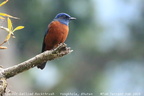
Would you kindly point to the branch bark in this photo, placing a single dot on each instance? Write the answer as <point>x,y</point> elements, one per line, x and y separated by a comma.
<point>6,73</point>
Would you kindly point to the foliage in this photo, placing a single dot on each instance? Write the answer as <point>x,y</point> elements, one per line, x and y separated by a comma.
<point>9,28</point>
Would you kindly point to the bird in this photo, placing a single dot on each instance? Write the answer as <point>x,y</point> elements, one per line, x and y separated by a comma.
<point>56,33</point>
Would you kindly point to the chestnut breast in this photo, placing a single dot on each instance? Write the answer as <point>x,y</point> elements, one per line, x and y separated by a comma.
<point>57,33</point>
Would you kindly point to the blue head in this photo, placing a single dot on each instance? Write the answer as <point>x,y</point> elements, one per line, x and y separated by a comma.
<point>64,18</point>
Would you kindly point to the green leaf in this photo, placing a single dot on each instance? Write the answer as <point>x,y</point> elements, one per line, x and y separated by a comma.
<point>18,28</point>
<point>2,17</point>
<point>7,15</point>
<point>4,2</point>
<point>10,27</point>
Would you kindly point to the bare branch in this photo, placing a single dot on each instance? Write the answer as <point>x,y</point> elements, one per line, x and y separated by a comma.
<point>60,51</point>
<point>6,73</point>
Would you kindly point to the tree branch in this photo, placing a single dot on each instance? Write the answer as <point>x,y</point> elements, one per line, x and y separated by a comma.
<point>6,73</point>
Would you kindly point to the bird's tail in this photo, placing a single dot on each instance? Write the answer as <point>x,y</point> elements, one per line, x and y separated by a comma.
<point>42,66</point>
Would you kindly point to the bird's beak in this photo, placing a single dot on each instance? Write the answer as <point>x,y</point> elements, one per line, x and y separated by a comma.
<point>72,18</point>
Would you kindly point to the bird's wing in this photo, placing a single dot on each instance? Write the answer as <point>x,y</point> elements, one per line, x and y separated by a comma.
<point>44,45</point>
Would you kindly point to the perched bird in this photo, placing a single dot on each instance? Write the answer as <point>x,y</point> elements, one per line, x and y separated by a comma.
<point>57,33</point>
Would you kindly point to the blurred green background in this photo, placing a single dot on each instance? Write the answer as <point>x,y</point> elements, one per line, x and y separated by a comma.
<point>107,39</point>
